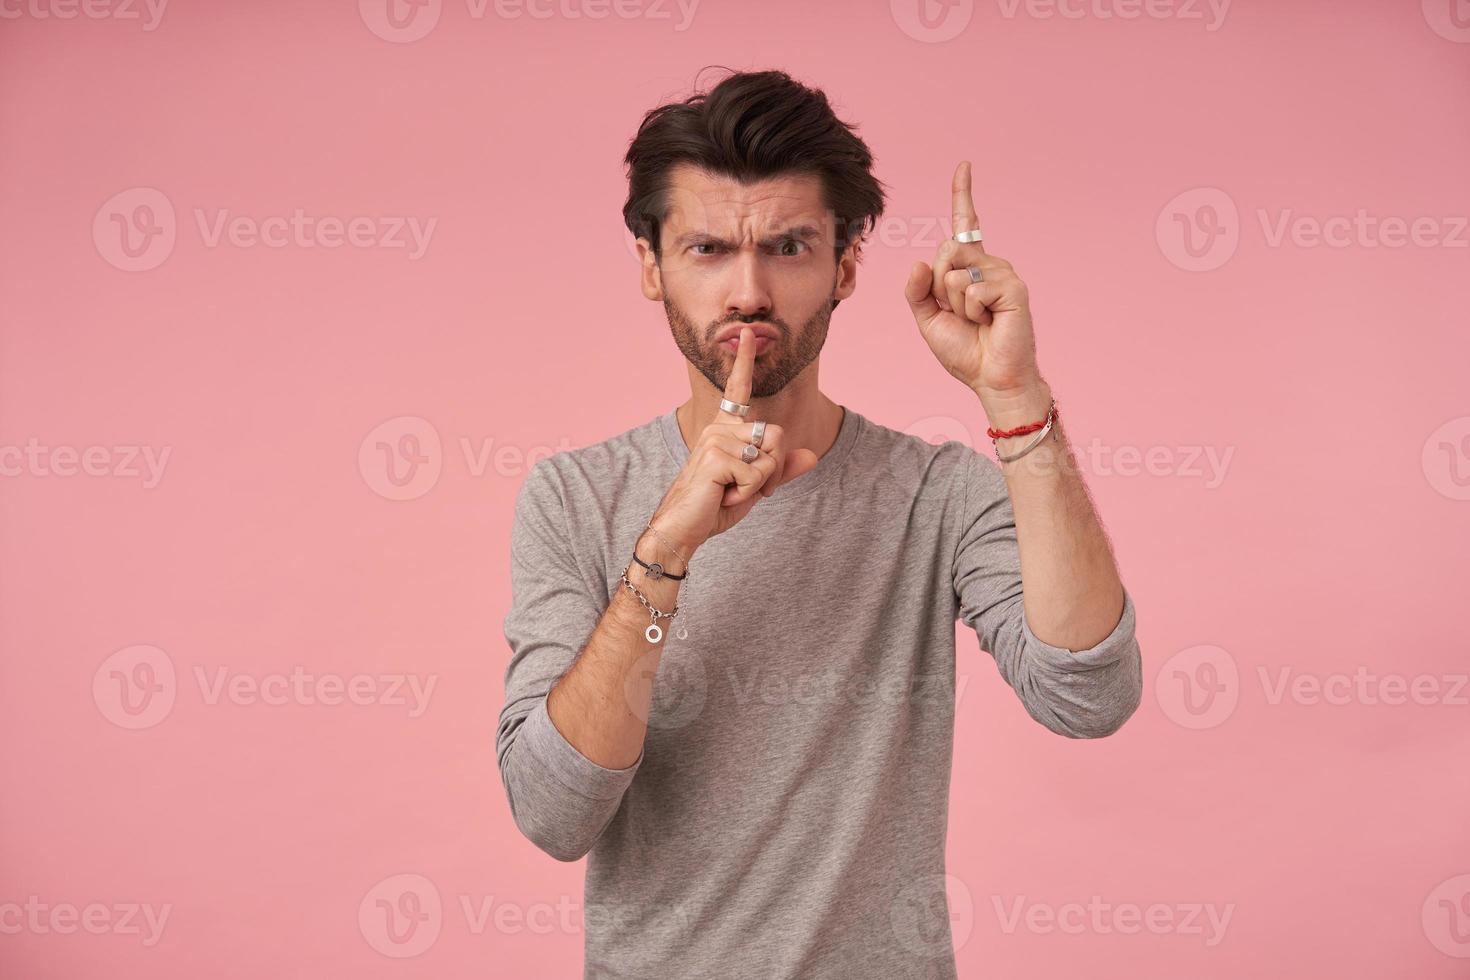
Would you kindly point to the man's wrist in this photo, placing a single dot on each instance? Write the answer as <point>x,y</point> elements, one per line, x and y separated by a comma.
<point>1016,407</point>
<point>673,555</point>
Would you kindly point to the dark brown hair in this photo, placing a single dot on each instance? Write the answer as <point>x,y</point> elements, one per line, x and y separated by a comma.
<point>753,126</point>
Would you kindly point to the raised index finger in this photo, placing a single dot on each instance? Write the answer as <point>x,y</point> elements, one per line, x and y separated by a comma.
<point>737,387</point>
<point>964,204</point>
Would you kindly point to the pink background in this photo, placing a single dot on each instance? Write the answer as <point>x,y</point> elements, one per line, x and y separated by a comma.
<point>1332,545</point>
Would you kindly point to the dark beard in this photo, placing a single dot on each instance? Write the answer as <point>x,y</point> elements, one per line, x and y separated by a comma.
<point>774,370</point>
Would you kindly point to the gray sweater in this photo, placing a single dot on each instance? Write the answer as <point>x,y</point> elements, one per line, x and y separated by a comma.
<point>787,817</point>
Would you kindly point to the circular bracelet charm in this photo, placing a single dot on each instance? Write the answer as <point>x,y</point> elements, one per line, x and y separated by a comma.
<point>653,634</point>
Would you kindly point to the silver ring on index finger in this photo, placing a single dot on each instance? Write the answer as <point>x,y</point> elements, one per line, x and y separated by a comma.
<point>734,408</point>
<point>966,237</point>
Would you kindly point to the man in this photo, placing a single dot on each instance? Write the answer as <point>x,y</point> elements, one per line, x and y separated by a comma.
<point>732,629</point>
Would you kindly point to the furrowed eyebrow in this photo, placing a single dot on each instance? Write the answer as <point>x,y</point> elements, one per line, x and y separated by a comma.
<point>805,233</point>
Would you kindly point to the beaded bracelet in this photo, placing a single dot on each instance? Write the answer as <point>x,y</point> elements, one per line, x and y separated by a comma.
<point>1045,427</point>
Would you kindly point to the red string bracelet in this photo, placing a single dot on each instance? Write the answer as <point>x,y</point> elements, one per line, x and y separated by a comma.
<point>1021,430</point>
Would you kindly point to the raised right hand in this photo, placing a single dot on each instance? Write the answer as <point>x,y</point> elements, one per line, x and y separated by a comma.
<point>715,490</point>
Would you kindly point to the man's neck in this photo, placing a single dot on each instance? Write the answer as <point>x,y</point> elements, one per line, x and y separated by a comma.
<point>809,420</point>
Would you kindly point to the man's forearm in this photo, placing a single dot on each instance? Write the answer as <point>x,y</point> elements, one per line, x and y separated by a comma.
<point>1073,594</point>
<point>600,705</point>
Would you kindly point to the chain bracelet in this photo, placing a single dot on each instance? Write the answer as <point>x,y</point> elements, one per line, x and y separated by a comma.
<point>653,634</point>
<point>1051,421</point>
<point>667,542</point>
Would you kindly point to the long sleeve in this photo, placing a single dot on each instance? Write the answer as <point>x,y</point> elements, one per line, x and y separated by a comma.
<point>560,799</point>
<point>1080,694</point>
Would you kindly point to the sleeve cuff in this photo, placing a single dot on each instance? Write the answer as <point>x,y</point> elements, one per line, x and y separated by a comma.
<point>1111,648</point>
<point>568,766</point>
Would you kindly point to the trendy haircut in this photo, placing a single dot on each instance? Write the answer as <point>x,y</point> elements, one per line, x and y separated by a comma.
<point>754,126</point>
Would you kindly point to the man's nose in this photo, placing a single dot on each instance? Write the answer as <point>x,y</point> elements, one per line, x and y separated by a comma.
<point>749,293</point>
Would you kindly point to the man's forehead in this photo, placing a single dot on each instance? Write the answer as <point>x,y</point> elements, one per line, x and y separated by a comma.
<point>700,200</point>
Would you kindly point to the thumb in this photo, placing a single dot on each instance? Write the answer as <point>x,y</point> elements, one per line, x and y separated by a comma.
<point>919,292</point>
<point>798,461</point>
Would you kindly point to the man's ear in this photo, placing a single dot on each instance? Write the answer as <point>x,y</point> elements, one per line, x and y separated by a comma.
<point>846,276</point>
<point>651,282</point>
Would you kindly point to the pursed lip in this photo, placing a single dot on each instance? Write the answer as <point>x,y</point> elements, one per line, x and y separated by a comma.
<point>732,332</point>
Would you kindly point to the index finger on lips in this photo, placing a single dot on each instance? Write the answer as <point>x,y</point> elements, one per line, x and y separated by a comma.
<point>737,387</point>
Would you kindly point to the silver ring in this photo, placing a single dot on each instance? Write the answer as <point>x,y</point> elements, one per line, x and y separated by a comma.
<point>974,272</point>
<point>749,453</point>
<point>968,236</point>
<point>757,433</point>
<point>734,408</point>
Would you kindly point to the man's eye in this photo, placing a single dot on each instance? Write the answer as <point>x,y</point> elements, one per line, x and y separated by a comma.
<point>709,245</point>
<point>793,246</point>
